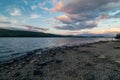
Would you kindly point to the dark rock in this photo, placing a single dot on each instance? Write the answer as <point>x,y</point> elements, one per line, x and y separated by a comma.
<point>24,78</point>
<point>54,54</point>
<point>117,63</point>
<point>90,64</point>
<point>30,53</point>
<point>89,76</point>
<point>85,51</point>
<point>38,72</point>
<point>44,63</point>
<point>102,57</point>
<point>116,47</point>
<point>87,45</point>
<point>58,61</point>
<point>33,60</point>
<point>9,62</point>
<point>15,74</point>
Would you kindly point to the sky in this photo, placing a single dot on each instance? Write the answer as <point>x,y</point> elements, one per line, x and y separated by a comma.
<point>66,17</point>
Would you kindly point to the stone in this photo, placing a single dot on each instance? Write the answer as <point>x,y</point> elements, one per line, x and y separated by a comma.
<point>58,61</point>
<point>30,53</point>
<point>116,47</point>
<point>44,63</point>
<point>117,63</point>
<point>89,64</point>
<point>32,61</point>
<point>102,57</point>
<point>15,74</point>
<point>38,72</point>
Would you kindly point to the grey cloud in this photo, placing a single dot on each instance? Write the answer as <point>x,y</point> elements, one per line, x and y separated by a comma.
<point>5,22</point>
<point>75,6</point>
<point>35,28</point>
<point>78,26</point>
<point>81,11</point>
<point>111,5</point>
<point>73,18</point>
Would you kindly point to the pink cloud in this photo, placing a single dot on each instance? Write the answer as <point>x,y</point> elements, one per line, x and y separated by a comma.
<point>64,19</point>
<point>78,12</point>
<point>59,6</point>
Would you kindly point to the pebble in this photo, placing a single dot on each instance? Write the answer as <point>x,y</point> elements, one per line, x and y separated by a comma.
<point>38,72</point>
<point>117,62</point>
<point>15,74</point>
<point>116,47</point>
<point>102,57</point>
<point>90,64</point>
<point>58,61</point>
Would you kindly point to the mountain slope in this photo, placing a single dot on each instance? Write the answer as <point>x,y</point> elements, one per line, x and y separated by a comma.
<point>20,33</point>
<point>23,33</point>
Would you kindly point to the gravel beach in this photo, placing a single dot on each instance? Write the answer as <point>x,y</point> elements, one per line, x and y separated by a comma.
<point>92,61</point>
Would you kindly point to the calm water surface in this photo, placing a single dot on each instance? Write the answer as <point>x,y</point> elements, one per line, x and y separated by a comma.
<point>11,46</point>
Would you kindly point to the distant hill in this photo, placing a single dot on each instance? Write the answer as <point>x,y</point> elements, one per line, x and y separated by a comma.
<point>23,33</point>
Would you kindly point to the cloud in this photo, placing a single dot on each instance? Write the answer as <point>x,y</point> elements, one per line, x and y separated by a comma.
<point>33,7</point>
<point>12,21</point>
<point>64,19</point>
<point>78,12</point>
<point>59,6</point>
<point>45,8</point>
<point>75,6</point>
<point>3,18</point>
<point>112,5</point>
<point>110,32</point>
<point>42,5</point>
<point>32,28</point>
<point>35,16</point>
<point>25,1</point>
<point>15,12</point>
<point>6,22</point>
<point>54,2</point>
<point>78,26</point>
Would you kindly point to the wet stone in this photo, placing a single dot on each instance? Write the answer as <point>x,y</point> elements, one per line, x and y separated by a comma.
<point>15,74</point>
<point>90,64</point>
<point>102,57</point>
<point>116,47</point>
<point>38,72</point>
<point>117,63</point>
<point>58,61</point>
<point>44,63</point>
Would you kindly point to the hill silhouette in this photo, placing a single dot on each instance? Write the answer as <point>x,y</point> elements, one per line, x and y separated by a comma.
<point>21,33</point>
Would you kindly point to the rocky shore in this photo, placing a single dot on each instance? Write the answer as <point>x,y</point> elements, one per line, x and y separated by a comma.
<point>92,61</point>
